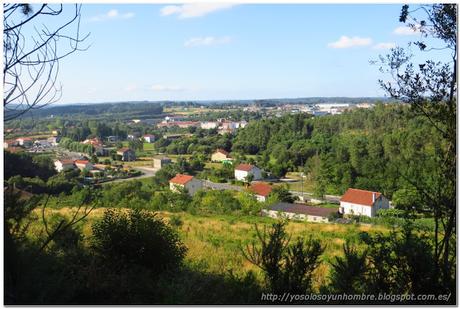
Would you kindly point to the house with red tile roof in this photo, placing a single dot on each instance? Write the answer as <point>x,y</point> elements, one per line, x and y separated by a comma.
<point>149,138</point>
<point>83,164</point>
<point>362,202</point>
<point>185,182</point>
<point>243,171</point>
<point>64,165</point>
<point>261,191</point>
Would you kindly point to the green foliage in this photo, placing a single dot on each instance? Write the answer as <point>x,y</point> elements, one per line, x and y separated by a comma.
<point>26,165</point>
<point>137,238</point>
<point>217,202</point>
<point>287,267</point>
<point>282,194</point>
<point>348,271</point>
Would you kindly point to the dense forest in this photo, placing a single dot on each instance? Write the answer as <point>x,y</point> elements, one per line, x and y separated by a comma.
<point>363,148</point>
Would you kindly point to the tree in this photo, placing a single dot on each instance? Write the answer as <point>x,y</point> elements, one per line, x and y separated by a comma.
<point>430,88</point>
<point>137,237</point>
<point>282,194</point>
<point>32,52</point>
<point>287,267</point>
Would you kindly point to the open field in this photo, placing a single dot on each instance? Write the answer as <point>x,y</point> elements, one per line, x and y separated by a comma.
<point>214,242</point>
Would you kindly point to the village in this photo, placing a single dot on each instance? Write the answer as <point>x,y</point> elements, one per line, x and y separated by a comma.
<point>100,168</point>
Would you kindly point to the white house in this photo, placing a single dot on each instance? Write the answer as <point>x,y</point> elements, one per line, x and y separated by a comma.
<point>362,202</point>
<point>242,172</point>
<point>187,182</point>
<point>261,191</point>
<point>64,165</point>
<point>149,138</point>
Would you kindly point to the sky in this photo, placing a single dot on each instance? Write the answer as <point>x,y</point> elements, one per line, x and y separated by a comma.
<point>220,51</point>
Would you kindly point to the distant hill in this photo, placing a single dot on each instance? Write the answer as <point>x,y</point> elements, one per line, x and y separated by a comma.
<point>150,109</point>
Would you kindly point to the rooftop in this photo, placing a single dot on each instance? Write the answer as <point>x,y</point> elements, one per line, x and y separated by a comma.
<point>361,197</point>
<point>244,167</point>
<point>261,188</point>
<point>181,179</point>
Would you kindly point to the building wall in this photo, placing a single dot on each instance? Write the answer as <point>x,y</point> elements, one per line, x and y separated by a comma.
<point>260,198</point>
<point>127,156</point>
<point>193,185</point>
<point>218,157</point>
<point>355,209</point>
<point>62,167</point>
<point>174,187</point>
<point>241,175</point>
<point>293,216</point>
<point>158,163</point>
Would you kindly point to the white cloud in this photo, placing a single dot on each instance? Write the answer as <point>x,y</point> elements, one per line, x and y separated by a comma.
<point>384,45</point>
<point>112,15</point>
<point>207,41</point>
<point>347,42</point>
<point>192,10</point>
<point>159,87</point>
<point>403,30</point>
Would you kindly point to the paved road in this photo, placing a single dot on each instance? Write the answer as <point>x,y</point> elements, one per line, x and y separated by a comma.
<point>148,172</point>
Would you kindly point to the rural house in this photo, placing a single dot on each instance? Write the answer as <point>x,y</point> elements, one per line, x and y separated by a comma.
<point>261,191</point>
<point>243,171</point>
<point>25,141</point>
<point>126,154</point>
<point>220,156</point>
<point>64,165</point>
<point>149,138</point>
<point>187,182</point>
<point>83,164</point>
<point>159,163</point>
<point>362,202</point>
<point>299,212</point>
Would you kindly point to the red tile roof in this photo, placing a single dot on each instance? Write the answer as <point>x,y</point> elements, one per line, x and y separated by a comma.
<point>81,161</point>
<point>361,197</point>
<point>261,188</point>
<point>181,179</point>
<point>244,167</point>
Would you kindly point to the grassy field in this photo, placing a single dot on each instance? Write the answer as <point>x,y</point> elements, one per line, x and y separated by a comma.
<point>214,242</point>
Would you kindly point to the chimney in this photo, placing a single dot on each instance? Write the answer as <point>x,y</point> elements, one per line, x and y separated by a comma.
<point>373,197</point>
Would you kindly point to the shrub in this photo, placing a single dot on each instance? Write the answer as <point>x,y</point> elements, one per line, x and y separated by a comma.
<point>137,237</point>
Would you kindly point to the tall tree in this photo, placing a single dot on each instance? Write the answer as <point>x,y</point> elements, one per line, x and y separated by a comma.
<point>430,87</point>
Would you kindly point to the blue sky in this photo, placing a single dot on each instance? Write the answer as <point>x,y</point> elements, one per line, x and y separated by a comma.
<point>250,51</point>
